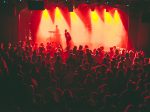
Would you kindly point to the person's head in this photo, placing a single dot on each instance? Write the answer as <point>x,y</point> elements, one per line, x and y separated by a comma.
<point>146,60</point>
<point>127,55</point>
<point>131,85</point>
<point>86,46</point>
<point>41,45</point>
<point>97,52</point>
<point>117,52</point>
<point>65,30</point>
<point>74,49</point>
<point>111,49</point>
<point>102,48</point>
<point>103,68</point>
<point>80,47</point>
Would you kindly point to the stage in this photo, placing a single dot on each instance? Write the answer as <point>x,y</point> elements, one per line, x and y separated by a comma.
<point>103,26</point>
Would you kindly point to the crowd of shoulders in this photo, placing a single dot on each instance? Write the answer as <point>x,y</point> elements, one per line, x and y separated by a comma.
<point>48,78</point>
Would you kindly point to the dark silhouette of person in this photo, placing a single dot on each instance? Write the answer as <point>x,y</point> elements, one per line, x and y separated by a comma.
<point>68,39</point>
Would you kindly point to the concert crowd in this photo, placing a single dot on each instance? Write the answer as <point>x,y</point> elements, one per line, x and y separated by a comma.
<point>45,78</point>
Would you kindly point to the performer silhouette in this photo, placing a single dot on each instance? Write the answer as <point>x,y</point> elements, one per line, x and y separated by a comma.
<point>68,39</point>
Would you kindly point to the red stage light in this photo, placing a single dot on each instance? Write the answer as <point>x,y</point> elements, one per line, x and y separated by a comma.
<point>107,33</point>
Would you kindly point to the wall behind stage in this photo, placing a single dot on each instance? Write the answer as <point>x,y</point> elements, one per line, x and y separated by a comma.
<point>143,33</point>
<point>8,24</point>
<point>96,28</point>
<point>139,31</point>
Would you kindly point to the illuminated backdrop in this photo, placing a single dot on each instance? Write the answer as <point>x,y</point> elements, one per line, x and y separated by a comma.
<point>101,27</point>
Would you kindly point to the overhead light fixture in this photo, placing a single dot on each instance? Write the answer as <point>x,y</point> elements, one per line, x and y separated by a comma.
<point>69,5</point>
<point>36,5</point>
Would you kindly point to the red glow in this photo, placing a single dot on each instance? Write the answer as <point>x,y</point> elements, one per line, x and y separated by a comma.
<point>117,17</point>
<point>78,30</point>
<point>107,17</point>
<point>94,33</point>
<point>44,27</point>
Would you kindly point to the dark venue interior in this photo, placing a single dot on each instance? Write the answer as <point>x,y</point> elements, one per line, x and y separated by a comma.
<point>74,56</point>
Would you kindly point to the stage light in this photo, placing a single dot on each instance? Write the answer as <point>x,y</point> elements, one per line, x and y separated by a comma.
<point>92,7</point>
<point>70,6</point>
<point>44,27</point>
<point>107,7</point>
<point>57,13</point>
<point>107,2</point>
<point>93,28</point>
<point>94,17</point>
<point>107,10</point>
<point>88,1</point>
<point>116,17</point>
<point>107,17</point>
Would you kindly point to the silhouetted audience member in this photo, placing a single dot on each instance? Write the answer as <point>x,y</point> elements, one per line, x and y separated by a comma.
<point>50,79</point>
